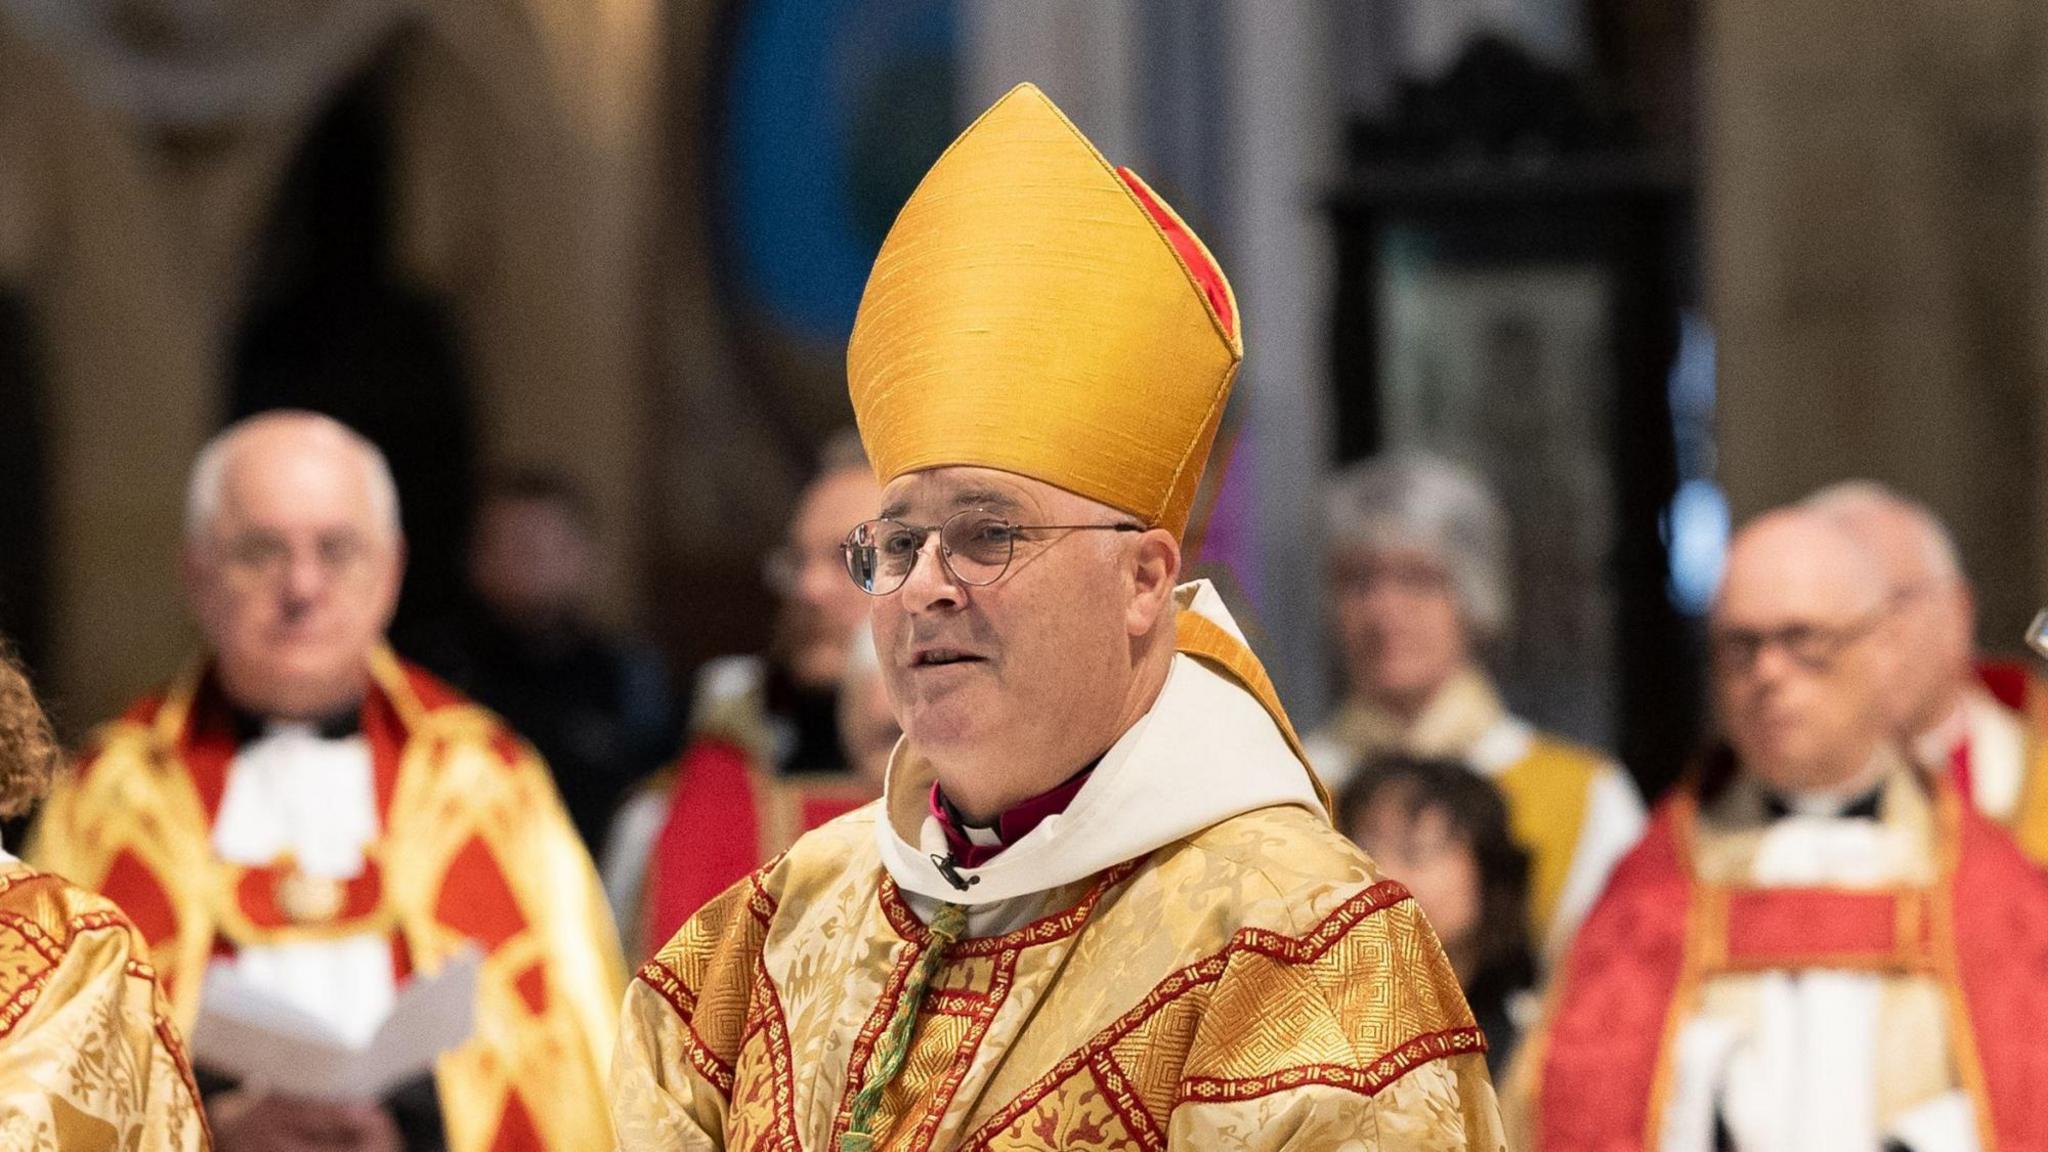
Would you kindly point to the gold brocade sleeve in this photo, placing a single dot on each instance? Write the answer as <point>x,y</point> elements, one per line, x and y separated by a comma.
<point>1435,1108</point>
<point>88,1057</point>
<point>658,1100</point>
<point>1354,1034</point>
<point>685,1016</point>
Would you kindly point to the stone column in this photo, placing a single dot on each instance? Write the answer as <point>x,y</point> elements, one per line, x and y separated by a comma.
<point>1873,214</point>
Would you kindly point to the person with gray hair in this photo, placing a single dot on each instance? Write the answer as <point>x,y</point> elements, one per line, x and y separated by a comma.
<point>1948,721</point>
<point>1417,562</point>
<point>302,812</point>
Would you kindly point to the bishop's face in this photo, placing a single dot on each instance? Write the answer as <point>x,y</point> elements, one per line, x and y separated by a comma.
<point>296,574</point>
<point>1008,687</point>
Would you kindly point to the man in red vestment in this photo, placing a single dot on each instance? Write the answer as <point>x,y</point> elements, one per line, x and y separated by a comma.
<point>305,810</point>
<point>765,762</point>
<point>1815,947</point>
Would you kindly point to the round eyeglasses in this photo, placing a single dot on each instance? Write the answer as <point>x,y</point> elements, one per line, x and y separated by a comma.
<point>975,547</point>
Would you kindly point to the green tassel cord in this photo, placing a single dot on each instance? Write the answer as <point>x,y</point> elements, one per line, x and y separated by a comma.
<point>947,926</point>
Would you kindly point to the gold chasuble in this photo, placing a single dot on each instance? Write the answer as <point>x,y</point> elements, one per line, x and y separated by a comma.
<point>1187,957</point>
<point>475,849</point>
<point>88,1056</point>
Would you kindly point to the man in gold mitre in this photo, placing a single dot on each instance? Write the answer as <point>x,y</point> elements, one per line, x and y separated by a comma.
<point>1101,904</point>
<point>88,1056</point>
<point>329,822</point>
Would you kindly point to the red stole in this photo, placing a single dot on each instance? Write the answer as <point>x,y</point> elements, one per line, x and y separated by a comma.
<point>1634,972</point>
<point>726,818</point>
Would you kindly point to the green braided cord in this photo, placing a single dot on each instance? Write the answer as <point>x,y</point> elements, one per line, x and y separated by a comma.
<point>948,923</point>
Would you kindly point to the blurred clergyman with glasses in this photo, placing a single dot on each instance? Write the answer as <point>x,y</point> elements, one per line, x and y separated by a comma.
<point>326,823</point>
<point>764,763</point>
<point>1101,904</point>
<point>1815,946</point>
<point>1957,716</point>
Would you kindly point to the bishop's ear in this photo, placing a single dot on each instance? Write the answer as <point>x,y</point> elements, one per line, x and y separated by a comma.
<point>1153,572</point>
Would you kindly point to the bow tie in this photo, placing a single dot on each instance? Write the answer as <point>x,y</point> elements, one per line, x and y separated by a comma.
<point>1864,807</point>
<point>249,727</point>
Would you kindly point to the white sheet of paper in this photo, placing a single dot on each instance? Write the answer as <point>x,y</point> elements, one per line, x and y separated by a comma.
<point>271,1046</point>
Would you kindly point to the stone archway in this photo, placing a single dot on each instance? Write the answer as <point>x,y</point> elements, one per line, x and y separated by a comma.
<point>521,157</point>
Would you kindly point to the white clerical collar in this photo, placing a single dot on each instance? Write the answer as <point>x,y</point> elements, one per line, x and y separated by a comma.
<point>300,729</point>
<point>984,837</point>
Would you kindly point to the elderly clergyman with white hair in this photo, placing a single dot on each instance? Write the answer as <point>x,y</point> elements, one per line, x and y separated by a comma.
<point>1417,570</point>
<point>328,822</point>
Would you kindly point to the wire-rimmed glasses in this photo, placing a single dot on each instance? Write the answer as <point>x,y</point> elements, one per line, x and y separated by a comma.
<point>975,546</point>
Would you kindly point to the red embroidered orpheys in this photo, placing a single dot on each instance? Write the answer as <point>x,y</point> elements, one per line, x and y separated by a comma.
<point>1197,978</point>
<point>1044,930</point>
<point>871,1029</point>
<point>768,1028</point>
<point>1334,927</point>
<point>1368,1081</point>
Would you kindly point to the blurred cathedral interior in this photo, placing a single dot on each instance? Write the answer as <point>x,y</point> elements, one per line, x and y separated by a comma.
<point>1648,265</point>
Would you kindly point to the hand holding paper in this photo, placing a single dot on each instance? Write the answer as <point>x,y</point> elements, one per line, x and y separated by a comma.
<point>271,1046</point>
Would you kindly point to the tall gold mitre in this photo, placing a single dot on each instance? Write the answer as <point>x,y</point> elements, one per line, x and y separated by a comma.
<point>1036,310</point>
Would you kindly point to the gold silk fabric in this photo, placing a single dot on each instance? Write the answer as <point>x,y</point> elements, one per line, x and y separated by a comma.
<point>88,1056</point>
<point>1256,986</point>
<point>476,851</point>
<point>1036,311</point>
